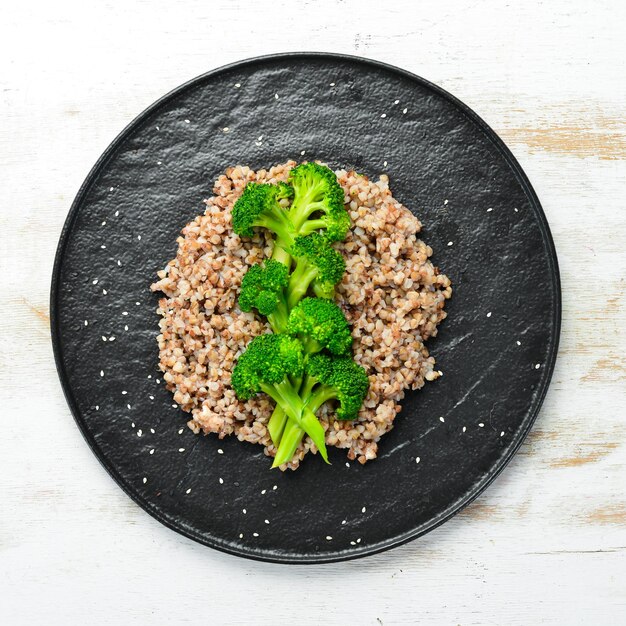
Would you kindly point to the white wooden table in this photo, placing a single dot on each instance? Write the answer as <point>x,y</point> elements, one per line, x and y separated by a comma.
<point>546,543</point>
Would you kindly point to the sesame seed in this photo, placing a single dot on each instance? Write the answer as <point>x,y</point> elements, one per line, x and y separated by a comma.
<point>181,449</point>
<point>139,432</point>
<point>157,128</point>
<point>244,511</point>
<point>101,372</point>
<point>363,510</point>
<point>384,115</point>
<point>104,291</point>
<point>149,375</point>
<point>260,137</point>
<point>119,263</point>
<point>237,85</point>
<point>489,210</point>
<point>97,407</point>
<point>152,430</point>
<point>481,425</point>
<point>445,202</point>
<point>275,487</point>
<point>103,223</point>
<point>515,210</point>
<point>441,419</point>
<point>258,143</point>
<point>384,163</point>
<point>344,521</point>
<point>332,84</point>
<point>519,343</point>
<point>240,535</point>
<point>502,433</point>
<point>275,96</point>
<point>489,314</point>
<point>358,540</point>
<point>86,323</point>
<point>111,188</point>
<point>117,213</point>
<point>225,129</point>
<point>396,101</point>
<point>267,521</point>
<point>104,338</point>
<point>145,480</point>
<point>417,459</point>
<point>137,303</point>
<point>303,152</point>
<point>132,424</point>
<point>186,121</point>
<point>138,237</point>
<point>255,534</point>
<point>220,451</point>
<point>158,162</point>
<point>174,406</point>
<point>329,538</point>
<point>263,492</point>
<point>464,428</point>
<point>221,481</point>
<point>124,393</point>
<point>152,451</point>
<point>188,490</point>
<point>125,327</point>
<point>158,381</point>
<point>94,281</point>
<point>347,464</point>
<point>404,111</point>
<point>352,543</point>
<point>537,366</point>
<point>450,243</point>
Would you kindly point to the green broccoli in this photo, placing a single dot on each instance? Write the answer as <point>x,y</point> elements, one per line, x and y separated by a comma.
<point>327,378</point>
<point>318,202</point>
<point>259,206</point>
<point>267,365</point>
<point>262,288</point>
<point>318,265</point>
<point>320,324</point>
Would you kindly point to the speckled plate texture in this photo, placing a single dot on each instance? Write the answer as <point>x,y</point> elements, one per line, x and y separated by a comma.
<point>497,348</point>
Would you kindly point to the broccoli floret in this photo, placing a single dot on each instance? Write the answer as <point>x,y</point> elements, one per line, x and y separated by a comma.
<point>268,365</point>
<point>318,202</point>
<point>339,378</point>
<point>259,206</point>
<point>318,265</point>
<point>320,324</point>
<point>327,378</point>
<point>263,288</point>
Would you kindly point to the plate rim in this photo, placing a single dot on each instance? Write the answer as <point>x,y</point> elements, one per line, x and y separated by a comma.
<point>456,506</point>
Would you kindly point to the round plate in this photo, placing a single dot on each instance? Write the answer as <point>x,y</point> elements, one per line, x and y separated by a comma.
<point>497,348</point>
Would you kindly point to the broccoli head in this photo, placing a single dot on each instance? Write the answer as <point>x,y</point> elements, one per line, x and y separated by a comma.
<point>259,206</point>
<point>321,324</point>
<point>318,202</point>
<point>318,265</point>
<point>262,288</point>
<point>338,378</point>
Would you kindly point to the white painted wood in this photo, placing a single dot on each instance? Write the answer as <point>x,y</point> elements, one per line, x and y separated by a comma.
<point>546,543</point>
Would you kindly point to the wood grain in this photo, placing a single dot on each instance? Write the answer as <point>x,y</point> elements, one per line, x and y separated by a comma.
<point>546,543</point>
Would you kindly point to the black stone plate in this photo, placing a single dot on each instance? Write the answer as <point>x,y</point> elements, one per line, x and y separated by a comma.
<point>497,348</point>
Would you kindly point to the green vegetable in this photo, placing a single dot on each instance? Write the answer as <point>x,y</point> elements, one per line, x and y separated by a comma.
<point>267,365</point>
<point>318,265</point>
<point>320,324</point>
<point>318,202</point>
<point>327,378</point>
<point>262,288</point>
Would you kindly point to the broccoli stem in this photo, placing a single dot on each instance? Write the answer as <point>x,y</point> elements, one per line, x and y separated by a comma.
<point>287,397</point>
<point>292,436</point>
<point>299,282</point>
<point>276,425</point>
<point>311,226</point>
<point>278,318</point>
